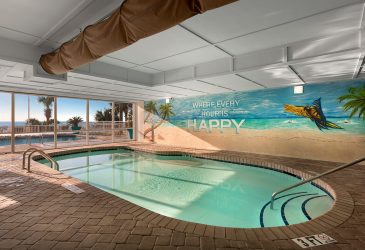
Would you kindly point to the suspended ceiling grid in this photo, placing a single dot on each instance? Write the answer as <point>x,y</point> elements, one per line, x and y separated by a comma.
<point>244,46</point>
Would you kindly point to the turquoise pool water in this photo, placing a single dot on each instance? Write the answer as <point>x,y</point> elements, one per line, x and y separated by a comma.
<point>5,141</point>
<point>198,190</point>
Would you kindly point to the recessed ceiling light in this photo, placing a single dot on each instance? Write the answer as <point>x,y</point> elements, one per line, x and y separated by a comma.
<point>298,89</point>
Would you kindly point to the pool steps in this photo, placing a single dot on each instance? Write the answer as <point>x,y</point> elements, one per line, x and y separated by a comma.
<point>292,208</point>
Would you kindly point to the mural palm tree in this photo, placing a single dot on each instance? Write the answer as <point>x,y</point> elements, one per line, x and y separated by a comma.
<point>151,108</point>
<point>47,102</point>
<point>355,101</point>
<point>165,113</point>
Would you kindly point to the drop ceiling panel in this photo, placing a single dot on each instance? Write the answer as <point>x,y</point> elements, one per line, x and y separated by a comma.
<point>340,42</point>
<point>205,54</point>
<point>247,16</point>
<point>146,69</point>
<point>146,90</point>
<point>331,58</point>
<point>273,77</point>
<point>330,69</point>
<point>17,36</point>
<point>164,44</point>
<point>91,78</point>
<point>313,80</point>
<point>234,82</point>
<point>324,24</point>
<point>178,90</point>
<point>116,62</point>
<point>63,90</point>
<point>32,17</point>
<point>7,63</point>
<point>201,86</point>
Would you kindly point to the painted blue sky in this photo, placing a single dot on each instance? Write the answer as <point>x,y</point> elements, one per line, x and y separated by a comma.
<point>269,103</point>
<point>67,107</point>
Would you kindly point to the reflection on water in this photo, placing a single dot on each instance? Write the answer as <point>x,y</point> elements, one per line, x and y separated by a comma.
<point>191,189</point>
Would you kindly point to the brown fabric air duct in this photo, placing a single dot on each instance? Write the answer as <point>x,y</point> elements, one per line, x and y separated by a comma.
<point>135,19</point>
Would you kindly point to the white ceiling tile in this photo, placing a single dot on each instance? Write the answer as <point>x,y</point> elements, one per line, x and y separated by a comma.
<point>205,54</point>
<point>247,16</point>
<point>81,81</point>
<point>178,90</point>
<point>324,24</point>
<point>7,63</point>
<point>323,46</point>
<point>116,62</point>
<point>330,58</point>
<point>330,69</point>
<point>32,17</point>
<point>273,77</point>
<point>234,82</point>
<point>313,80</point>
<point>164,44</point>
<point>201,86</point>
<point>17,36</point>
<point>146,69</point>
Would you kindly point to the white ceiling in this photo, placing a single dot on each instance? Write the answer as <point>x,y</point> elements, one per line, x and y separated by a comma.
<point>309,29</point>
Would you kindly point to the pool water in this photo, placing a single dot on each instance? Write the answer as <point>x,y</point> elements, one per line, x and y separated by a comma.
<point>198,190</point>
<point>36,140</point>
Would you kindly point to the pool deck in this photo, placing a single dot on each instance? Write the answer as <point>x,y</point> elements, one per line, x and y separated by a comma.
<point>36,212</point>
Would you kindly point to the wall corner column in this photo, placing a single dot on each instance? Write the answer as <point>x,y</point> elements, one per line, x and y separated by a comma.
<point>12,123</point>
<point>138,121</point>
<point>55,122</point>
<point>113,122</point>
<point>87,121</point>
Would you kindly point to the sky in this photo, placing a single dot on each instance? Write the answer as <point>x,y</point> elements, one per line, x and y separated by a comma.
<point>67,108</point>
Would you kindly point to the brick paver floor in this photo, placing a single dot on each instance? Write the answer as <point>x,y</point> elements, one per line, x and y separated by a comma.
<point>36,212</point>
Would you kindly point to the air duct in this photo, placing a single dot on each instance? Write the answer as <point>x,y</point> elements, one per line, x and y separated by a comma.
<point>134,20</point>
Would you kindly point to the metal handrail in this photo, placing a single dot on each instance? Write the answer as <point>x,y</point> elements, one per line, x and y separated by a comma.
<point>312,179</point>
<point>42,153</point>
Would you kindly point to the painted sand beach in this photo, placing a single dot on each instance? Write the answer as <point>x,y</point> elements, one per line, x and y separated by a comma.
<point>329,146</point>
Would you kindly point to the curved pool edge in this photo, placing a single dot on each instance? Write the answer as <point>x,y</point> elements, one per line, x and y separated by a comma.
<point>341,211</point>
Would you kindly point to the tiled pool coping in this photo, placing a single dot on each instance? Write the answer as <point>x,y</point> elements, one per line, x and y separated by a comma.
<point>342,208</point>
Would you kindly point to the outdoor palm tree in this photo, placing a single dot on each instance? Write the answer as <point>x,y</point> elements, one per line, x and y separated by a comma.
<point>355,101</point>
<point>165,113</point>
<point>105,115</point>
<point>32,122</point>
<point>121,108</point>
<point>150,107</point>
<point>74,122</point>
<point>47,102</point>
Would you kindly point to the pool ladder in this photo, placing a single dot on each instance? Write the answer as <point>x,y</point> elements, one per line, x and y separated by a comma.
<point>31,151</point>
<point>314,178</point>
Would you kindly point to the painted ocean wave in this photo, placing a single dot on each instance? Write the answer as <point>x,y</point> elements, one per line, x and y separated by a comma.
<point>353,126</point>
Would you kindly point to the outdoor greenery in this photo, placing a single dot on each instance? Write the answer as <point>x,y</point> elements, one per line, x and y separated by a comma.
<point>355,101</point>
<point>120,108</point>
<point>103,115</point>
<point>75,121</point>
<point>33,122</point>
<point>47,103</point>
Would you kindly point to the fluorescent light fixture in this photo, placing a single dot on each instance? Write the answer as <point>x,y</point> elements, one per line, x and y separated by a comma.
<point>298,89</point>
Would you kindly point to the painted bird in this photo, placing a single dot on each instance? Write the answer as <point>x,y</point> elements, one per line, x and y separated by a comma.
<point>314,113</point>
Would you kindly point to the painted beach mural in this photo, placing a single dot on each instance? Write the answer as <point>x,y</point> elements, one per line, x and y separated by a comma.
<point>326,122</point>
